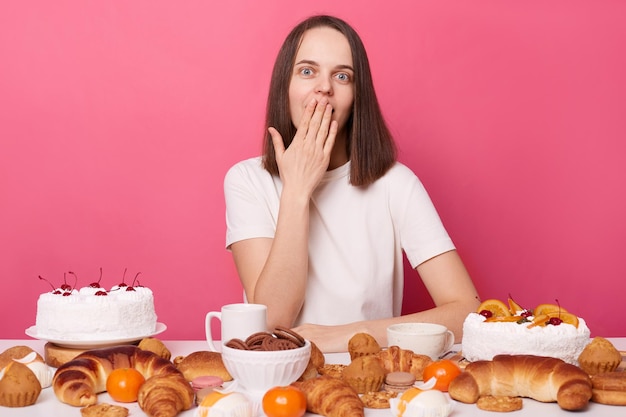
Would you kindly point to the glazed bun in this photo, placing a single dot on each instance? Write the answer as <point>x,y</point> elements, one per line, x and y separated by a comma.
<point>202,363</point>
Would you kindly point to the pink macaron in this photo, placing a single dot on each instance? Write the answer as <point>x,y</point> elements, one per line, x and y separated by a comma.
<point>207,381</point>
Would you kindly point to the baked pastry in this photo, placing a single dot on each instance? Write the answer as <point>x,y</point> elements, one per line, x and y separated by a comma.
<point>202,363</point>
<point>541,378</point>
<point>331,397</point>
<point>609,388</point>
<point>18,352</point>
<point>155,345</point>
<point>104,410</point>
<point>399,381</point>
<point>499,403</point>
<point>33,360</point>
<point>364,374</point>
<point>316,361</point>
<point>377,399</point>
<point>19,387</point>
<point>599,356</point>
<point>395,359</point>
<point>333,370</point>
<point>362,344</point>
<point>232,404</point>
<point>165,392</point>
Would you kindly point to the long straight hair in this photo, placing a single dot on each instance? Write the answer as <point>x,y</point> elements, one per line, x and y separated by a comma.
<point>369,143</point>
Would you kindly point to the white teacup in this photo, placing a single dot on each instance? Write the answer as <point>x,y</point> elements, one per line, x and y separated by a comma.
<point>423,338</point>
<point>238,321</point>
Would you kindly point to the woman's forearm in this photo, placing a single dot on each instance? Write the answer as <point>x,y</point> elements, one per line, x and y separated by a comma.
<point>282,282</point>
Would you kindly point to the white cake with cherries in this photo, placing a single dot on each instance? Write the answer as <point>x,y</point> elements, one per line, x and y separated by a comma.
<point>483,339</point>
<point>93,313</point>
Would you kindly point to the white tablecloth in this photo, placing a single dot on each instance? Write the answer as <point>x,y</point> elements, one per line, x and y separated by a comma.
<point>47,405</point>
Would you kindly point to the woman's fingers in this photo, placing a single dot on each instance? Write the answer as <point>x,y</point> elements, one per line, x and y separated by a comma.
<point>277,140</point>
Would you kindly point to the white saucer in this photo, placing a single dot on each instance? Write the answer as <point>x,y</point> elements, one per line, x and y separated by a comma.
<point>93,344</point>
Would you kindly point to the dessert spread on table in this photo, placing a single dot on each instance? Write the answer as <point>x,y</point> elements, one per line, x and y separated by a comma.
<point>375,377</point>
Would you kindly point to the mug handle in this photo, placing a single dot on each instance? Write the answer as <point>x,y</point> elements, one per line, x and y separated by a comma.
<point>449,341</point>
<point>207,328</point>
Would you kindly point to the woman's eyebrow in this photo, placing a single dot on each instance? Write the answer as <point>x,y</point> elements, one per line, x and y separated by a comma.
<point>315,64</point>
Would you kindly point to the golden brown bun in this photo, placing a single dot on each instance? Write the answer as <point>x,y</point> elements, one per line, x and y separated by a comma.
<point>364,374</point>
<point>164,394</point>
<point>17,352</point>
<point>317,357</point>
<point>156,346</point>
<point>331,397</point>
<point>609,388</point>
<point>362,344</point>
<point>395,359</point>
<point>19,387</point>
<point>316,362</point>
<point>541,378</point>
<point>202,363</point>
<point>599,356</point>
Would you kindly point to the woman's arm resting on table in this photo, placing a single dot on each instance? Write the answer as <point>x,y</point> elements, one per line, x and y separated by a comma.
<point>450,287</point>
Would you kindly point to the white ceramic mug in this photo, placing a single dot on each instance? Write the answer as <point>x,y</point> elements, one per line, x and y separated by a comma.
<point>423,338</point>
<point>238,321</point>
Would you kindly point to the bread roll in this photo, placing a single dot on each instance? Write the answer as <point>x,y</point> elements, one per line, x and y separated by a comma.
<point>396,359</point>
<point>202,363</point>
<point>609,388</point>
<point>541,378</point>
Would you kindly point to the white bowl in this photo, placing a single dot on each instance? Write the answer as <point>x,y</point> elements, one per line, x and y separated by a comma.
<point>257,371</point>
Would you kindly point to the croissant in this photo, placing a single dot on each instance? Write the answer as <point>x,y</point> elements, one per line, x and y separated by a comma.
<point>164,394</point>
<point>331,397</point>
<point>396,359</point>
<point>541,378</point>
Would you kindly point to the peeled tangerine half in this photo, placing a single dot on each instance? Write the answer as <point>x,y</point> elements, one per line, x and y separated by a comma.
<point>415,402</point>
<point>497,308</point>
<point>547,308</point>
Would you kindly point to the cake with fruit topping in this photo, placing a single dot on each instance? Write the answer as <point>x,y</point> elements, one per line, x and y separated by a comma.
<point>94,313</point>
<point>547,330</point>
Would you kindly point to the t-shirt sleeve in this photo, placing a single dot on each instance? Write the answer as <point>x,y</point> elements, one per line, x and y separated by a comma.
<point>422,233</point>
<point>251,202</point>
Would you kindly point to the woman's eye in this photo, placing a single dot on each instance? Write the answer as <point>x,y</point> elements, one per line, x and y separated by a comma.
<point>343,77</point>
<point>306,71</point>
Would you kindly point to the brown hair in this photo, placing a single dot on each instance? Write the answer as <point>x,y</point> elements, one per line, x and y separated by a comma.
<point>369,143</point>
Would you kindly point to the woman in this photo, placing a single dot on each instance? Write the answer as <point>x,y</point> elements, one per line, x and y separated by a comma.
<point>317,225</point>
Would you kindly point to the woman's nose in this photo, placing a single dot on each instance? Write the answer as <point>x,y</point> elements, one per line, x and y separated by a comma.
<point>324,86</point>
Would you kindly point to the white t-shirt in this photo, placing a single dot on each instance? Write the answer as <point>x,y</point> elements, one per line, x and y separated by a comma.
<point>356,238</point>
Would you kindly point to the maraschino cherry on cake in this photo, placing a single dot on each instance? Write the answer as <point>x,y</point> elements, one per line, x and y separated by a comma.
<point>547,330</point>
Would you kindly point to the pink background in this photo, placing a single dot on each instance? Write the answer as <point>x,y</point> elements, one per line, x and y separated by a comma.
<point>118,121</point>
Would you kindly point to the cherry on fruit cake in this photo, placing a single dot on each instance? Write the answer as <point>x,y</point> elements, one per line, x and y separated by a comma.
<point>94,313</point>
<point>547,330</point>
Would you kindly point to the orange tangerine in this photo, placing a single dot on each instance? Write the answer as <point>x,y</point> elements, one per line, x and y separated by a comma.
<point>566,317</point>
<point>547,308</point>
<point>497,308</point>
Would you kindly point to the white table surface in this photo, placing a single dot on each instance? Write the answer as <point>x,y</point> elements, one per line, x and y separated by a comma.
<point>47,404</point>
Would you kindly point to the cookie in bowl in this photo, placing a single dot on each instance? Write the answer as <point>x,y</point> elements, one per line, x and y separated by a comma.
<point>257,370</point>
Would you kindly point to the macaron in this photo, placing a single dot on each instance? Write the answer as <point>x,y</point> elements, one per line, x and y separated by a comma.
<point>206,381</point>
<point>399,381</point>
